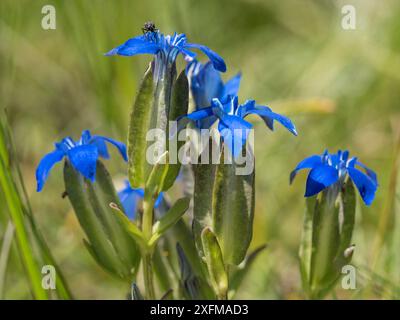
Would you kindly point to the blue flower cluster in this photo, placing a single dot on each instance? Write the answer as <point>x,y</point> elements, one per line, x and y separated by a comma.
<point>215,101</point>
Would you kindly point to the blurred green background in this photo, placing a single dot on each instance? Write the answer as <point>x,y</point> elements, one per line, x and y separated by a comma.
<point>340,87</point>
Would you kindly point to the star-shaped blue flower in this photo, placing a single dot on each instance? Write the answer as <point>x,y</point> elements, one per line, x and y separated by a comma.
<point>131,197</point>
<point>82,154</point>
<point>233,128</point>
<point>167,48</point>
<point>206,84</point>
<point>327,169</point>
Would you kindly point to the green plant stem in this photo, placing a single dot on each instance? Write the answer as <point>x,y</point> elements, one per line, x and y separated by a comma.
<point>148,275</point>
<point>147,228</point>
<point>147,223</point>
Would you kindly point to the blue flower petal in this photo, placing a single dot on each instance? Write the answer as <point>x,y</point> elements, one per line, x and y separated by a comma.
<point>200,114</point>
<point>229,105</point>
<point>307,163</point>
<point>319,178</point>
<point>217,61</point>
<point>45,165</point>
<point>102,148</point>
<point>370,173</point>
<point>268,115</point>
<point>206,85</point>
<point>98,140</point>
<point>234,131</point>
<point>130,199</point>
<point>198,117</point>
<point>231,87</point>
<point>134,46</point>
<point>84,159</point>
<point>159,200</point>
<point>85,137</point>
<point>365,185</point>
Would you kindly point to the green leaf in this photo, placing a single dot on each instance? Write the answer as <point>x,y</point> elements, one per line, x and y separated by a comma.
<point>204,176</point>
<point>215,263</point>
<point>179,107</point>
<point>129,226</point>
<point>169,219</point>
<point>90,222</point>
<point>156,178</point>
<point>306,244</point>
<point>101,193</point>
<point>233,211</point>
<point>139,125</point>
<point>347,215</point>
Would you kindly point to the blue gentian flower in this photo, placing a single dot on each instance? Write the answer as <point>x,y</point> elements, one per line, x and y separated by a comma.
<point>232,126</point>
<point>130,199</point>
<point>328,169</point>
<point>82,154</point>
<point>166,48</point>
<point>206,84</point>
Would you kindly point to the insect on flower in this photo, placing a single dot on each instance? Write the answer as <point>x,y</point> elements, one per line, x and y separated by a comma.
<point>149,26</point>
<point>328,169</point>
<point>165,48</point>
<point>83,155</point>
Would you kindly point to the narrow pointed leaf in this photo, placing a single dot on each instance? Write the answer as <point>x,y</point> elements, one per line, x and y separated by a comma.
<point>215,263</point>
<point>179,107</point>
<point>129,226</point>
<point>233,211</point>
<point>90,223</point>
<point>101,193</point>
<point>306,244</point>
<point>204,176</point>
<point>156,178</point>
<point>346,223</point>
<point>139,125</point>
<point>170,218</point>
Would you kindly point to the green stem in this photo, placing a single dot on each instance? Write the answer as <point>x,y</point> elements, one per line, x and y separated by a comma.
<point>147,224</point>
<point>147,228</point>
<point>148,275</point>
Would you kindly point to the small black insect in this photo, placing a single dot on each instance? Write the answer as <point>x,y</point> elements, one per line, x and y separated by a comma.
<point>64,194</point>
<point>149,26</point>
